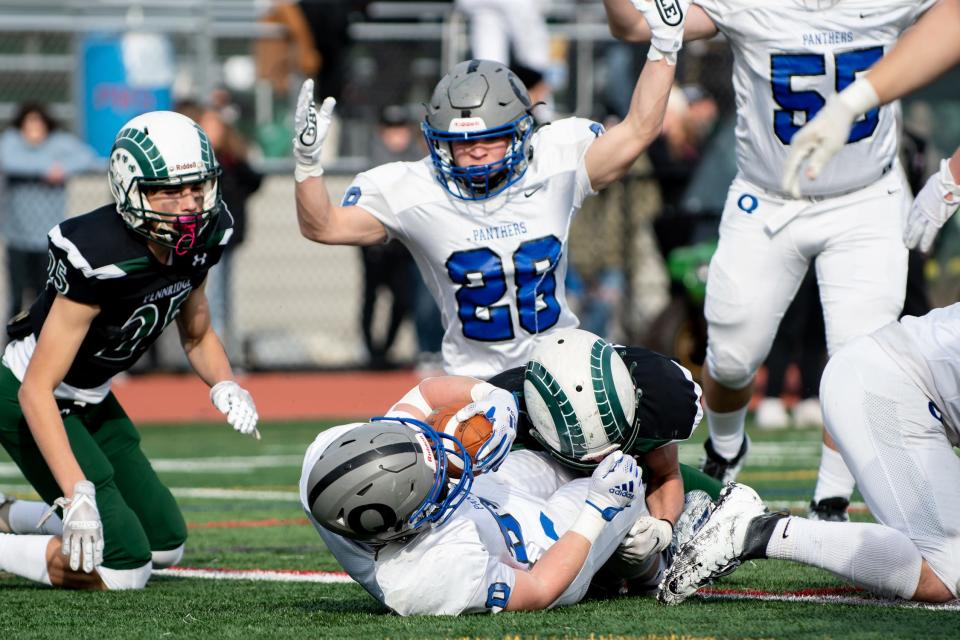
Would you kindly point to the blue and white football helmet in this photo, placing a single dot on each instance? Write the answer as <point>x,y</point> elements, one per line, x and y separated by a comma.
<point>478,100</point>
<point>387,480</point>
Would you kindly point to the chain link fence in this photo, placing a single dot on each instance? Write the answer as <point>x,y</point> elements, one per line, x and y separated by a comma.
<point>294,303</point>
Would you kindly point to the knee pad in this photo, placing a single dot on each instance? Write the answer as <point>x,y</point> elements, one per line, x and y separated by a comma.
<point>164,559</point>
<point>730,366</point>
<point>124,579</point>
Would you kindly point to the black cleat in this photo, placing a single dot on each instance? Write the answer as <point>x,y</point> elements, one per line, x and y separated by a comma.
<point>829,510</point>
<point>716,466</point>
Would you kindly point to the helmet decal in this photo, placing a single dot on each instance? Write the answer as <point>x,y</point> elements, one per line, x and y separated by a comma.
<point>143,151</point>
<point>614,421</point>
<point>564,416</point>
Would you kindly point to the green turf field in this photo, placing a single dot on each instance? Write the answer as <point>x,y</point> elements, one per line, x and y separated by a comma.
<point>221,478</point>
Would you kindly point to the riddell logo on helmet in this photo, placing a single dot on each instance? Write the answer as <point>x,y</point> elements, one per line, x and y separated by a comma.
<point>467,124</point>
<point>187,165</point>
<point>427,451</point>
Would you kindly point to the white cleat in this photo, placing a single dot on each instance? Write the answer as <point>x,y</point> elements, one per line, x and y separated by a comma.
<point>720,545</point>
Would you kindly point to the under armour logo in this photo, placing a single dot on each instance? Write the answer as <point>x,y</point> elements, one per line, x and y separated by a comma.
<point>199,259</point>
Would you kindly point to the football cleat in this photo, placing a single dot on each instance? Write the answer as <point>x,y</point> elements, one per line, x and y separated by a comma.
<point>737,530</point>
<point>829,510</point>
<point>772,415</point>
<point>697,507</point>
<point>807,414</point>
<point>716,466</point>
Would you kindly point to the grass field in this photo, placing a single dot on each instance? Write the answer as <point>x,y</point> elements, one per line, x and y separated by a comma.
<point>239,498</point>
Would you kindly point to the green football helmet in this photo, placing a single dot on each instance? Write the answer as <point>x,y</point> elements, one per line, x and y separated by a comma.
<point>160,150</point>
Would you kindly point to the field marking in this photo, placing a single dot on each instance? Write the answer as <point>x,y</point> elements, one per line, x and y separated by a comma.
<point>838,595</point>
<point>244,524</point>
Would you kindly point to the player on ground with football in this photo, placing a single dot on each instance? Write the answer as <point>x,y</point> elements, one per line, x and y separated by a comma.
<point>444,547</point>
<point>116,277</point>
<point>487,214</point>
<point>579,398</point>
<point>891,400</point>
<point>790,57</point>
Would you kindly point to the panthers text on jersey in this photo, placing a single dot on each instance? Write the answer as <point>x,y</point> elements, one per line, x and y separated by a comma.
<point>669,409</point>
<point>468,564</point>
<point>95,259</point>
<point>495,267</point>
<point>927,348</point>
<point>788,59</point>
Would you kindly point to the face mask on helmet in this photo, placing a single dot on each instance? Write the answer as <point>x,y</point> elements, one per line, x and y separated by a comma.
<point>479,100</point>
<point>164,177</point>
<point>580,398</point>
<point>387,480</point>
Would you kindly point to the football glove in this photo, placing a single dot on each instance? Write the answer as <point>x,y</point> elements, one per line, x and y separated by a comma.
<point>500,408</point>
<point>82,535</point>
<point>821,138</point>
<point>933,206</point>
<point>236,403</point>
<point>613,486</point>
<point>665,19</point>
<point>311,127</point>
<point>648,536</point>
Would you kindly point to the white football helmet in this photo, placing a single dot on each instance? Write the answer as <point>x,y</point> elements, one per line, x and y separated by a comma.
<point>164,149</point>
<point>580,398</point>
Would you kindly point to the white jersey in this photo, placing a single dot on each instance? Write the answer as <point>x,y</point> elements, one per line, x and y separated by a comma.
<point>928,350</point>
<point>496,268</point>
<point>788,60</point>
<point>468,564</point>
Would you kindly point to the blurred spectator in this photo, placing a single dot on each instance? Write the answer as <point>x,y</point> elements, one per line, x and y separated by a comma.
<point>800,339</point>
<point>37,160</point>
<point>238,181</point>
<point>499,28</point>
<point>390,266</point>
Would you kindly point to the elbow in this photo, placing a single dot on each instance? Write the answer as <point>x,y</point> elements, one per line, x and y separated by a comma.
<point>626,33</point>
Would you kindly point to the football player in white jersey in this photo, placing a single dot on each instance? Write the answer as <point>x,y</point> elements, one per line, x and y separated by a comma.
<point>487,214</point>
<point>790,56</point>
<point>891,401</point>
<point>911,64</point>
<point>440,547</point>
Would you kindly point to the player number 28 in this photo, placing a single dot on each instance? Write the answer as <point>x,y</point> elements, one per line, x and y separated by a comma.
<point>785,66</point>
<point>483,283</point>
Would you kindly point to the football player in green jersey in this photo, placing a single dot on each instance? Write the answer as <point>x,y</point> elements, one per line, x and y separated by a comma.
<point>114,282</point>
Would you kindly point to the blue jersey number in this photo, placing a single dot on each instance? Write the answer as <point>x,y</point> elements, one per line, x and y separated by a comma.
<point>784,66</point>
<point>510,529</point>
<point>482,280</point>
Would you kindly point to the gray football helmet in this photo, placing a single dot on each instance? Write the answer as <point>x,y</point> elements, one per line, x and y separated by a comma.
<point>479,99</point>
<point>386,480</point>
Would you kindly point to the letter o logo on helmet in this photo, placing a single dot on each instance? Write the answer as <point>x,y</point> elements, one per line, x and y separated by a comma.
<point>580,398</point>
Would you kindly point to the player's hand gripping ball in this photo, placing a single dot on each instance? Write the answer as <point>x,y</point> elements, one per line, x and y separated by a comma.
<point>472,434</point>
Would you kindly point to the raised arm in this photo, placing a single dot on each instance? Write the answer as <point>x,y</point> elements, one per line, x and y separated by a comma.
<point>321,220</point>
<point>627,23</point>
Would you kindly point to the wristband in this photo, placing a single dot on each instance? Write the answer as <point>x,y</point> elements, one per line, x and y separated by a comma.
<point>481,391</point>
<point>303,171</point>
<point>590,524</point>
<point>859,97</point>
<point>655,54</point>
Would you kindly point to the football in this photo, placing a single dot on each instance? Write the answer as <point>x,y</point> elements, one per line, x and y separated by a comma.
<point>472,433</point>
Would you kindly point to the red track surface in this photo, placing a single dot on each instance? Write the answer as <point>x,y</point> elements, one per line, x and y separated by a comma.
<point>279,396</point>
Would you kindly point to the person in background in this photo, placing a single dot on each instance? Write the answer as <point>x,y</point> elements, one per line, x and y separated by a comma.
<point>37,159</point>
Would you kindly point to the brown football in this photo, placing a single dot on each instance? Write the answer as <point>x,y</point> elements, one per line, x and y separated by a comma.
<point>471,433</point>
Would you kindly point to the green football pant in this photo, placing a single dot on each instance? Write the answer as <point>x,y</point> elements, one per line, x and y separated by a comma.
<point>695,479</point>
<point>138,512</point>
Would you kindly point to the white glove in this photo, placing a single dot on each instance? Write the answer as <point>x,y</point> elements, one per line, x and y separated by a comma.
<point>821,138</point>
<point>500,408</point>
<point>613,486</point>
<point>82,529</point>
<point>665,19</point>
<point>648,536</point>
<point>933,206</point>
<point>311,128</point>
<point>236,403</point>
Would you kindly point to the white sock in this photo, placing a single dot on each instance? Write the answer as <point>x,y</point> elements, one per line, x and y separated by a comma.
<point>25,556</point>
<point>869,555</point>
<point>726,431</point>
<point>834,479</point>
<point>25,514</point>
